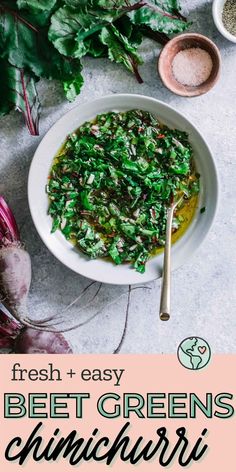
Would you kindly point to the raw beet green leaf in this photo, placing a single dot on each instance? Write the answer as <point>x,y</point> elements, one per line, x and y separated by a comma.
<point>73,86</point>
<point>38,12</point>
<point>167,5</point>
<point>66,25</point>
<point>161,38</point>
<point>19,92</point>
<point>171,6</point>
<point>78,3</point>
<point>22,42</point>
<point>132,32</point>
<point>110,4</point>
<point>53,65</point>
<point>72,27</point>
<point>27,47</point>
<point>5,104</point>
<point>120,50</point>
<point>97,4</point>
<point>47,38</point>
<point>125,26</point>
<point>29,16</point>
<point>96,48</point>
<point>17,36</point>
<point>157,20</point>
<point>127,43</point>
<point>36,5</point>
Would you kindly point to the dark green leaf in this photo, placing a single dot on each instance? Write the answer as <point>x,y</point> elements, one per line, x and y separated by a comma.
<point>128,29</point>
<point>96,48</point>
<point>47,38</point>
<point>167,5</point>
<point>164,21</point>
<point>36,5</point>
<point>96,4</point>
<point>66,25</point>
<point>111,4</point>
<point>78,3</point>
<point>28,13</point>
<point>72,27</point>
<point>27,47</point>
<point>37,12</point>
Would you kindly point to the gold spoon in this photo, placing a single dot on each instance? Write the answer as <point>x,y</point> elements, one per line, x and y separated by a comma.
<point>164,312</point>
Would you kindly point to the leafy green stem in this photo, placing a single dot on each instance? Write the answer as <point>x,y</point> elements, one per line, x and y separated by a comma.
<point>133,7</point>
<point>135,69</point>
<point>176,15</point>
<point>180,16</point>
<point>161,38</point>
<point>129,8</point>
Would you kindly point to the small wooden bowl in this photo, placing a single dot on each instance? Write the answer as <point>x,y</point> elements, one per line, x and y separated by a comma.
<point>177,44</point>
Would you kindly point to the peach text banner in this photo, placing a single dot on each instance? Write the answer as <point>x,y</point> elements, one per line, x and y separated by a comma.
<point>139,375</point>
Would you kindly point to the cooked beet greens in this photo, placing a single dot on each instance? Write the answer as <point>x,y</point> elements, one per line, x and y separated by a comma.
<point>111,184</point>
<point>48,38</point>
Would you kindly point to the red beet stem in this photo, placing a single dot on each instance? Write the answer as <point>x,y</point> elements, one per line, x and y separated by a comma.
<point>9,231</point>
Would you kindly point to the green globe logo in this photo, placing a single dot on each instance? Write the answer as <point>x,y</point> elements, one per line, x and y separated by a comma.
<point>194,353</point>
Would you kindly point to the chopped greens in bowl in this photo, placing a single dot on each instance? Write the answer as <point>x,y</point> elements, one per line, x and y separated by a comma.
<point>111,183</point>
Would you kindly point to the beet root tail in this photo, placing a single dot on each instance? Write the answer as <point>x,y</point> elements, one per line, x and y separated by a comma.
<point>9,330</point>
<point>32,341</point>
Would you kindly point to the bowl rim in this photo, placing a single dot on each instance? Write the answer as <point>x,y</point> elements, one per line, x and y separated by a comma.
<point>199,90</point>
<point>217,9</point>
<point>65,116</point>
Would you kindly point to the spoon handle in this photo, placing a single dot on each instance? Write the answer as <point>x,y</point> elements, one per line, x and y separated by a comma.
<point>165,288</point>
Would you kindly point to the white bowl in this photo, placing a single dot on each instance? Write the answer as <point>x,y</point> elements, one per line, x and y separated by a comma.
<point>217,10</point>
<point>103,270</point>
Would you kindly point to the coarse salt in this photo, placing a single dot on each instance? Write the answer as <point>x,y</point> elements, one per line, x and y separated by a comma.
<point>192,66</point>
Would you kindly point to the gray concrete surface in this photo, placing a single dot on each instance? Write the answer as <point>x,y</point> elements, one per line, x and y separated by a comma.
<point>204,295</point>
